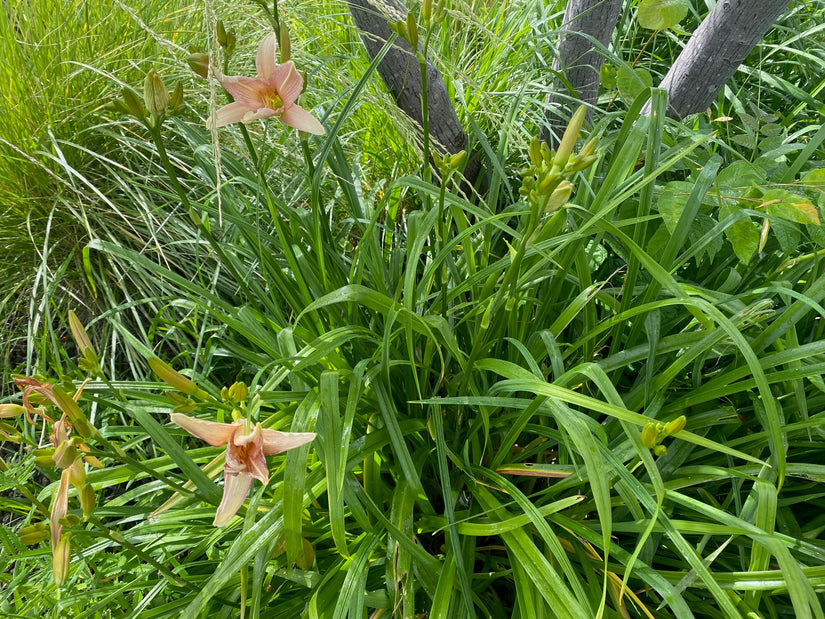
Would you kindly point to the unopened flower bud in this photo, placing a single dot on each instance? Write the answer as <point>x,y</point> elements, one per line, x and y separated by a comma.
<point>132,101</point>
<point>535,152</point>
<point>571,134</point>
<point>117,106</point>
<point>65,454</point>
<point>172,378</point>
<point>77,474</point>
<point>660,450</point>
<point>427,12</point>
<point>548,184</point>
<point>589,148</point>
<point>546,153</point>
<point>238,392</point>
<point>33,534</point>
<point>87,500</point>
<point>73,412</point>
<point>199,63</point>
<point>155,94</point>
<point>8,411</point>
<point>577,164</point>
<point>44,458</point>
<point>176,100</point>
<point>412,31</point>
<point>561,194</point>
<point>285,46</point>
<point>81,337</point>
<point>306,558</point>
<point>458,159</point>
<point>675,426</point>
<point>221,32</point>
<point>649,435</point>
<point>60,560</point>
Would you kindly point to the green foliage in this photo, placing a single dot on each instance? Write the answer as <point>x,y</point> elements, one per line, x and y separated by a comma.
<point>661,14</point>
<point>588,387</point>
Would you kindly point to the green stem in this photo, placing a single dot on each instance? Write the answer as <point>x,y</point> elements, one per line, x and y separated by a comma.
<point>425,108</point>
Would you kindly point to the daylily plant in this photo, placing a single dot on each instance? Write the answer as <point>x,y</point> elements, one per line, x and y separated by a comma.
<point>272,93</point>
<point>246,448</point>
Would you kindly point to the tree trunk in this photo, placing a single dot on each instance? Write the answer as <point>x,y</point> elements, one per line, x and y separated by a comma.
<point>578,56</point>
<point>715,51</point>
<point>400,72</point>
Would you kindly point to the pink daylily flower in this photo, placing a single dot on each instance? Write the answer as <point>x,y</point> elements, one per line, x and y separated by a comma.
<point>272,93</point>
<point>246,448</point>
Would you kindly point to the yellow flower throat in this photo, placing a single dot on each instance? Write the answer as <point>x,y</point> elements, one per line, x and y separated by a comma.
<point>273,101</point>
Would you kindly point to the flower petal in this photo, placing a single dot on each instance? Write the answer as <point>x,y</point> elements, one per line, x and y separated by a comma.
<point>266,59</point>
<point>245,453</point>
<point>275,442</point>
<point>235,488</point>
<point>228,114</point>
<point>60,506</point>
<point>297,117</point>
<point>264,112</point>
<point>214,433</point>
<point>247,90</point>
<point>287,82</point>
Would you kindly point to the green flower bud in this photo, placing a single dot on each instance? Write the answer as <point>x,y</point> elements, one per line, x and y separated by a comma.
<point>60,560</point>
<point>675,426</point>
<point>427,12</point>
<point>133,103</point>
<point>571,134</point>
<point>221,32</point>
<point>87,500</point>
<point>238,392</point>
<point>176,101</point>
<point>172,378</point>
<point>73,412</point>
<point>412,31</point>
<point>535,152</point>
<point>458,159</point>
<point>44,458</point>
<point>33,534</point>
<point>199,63</point>
<point>284,44</point>
<point>65,454</point>
<point>649,435</point>
<point>8,411</point>
<point>561,194</point>
<point>155,94</point>
<point>660,450</point>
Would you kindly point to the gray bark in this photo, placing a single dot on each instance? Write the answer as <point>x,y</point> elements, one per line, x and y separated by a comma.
<point>400,72</point>
<point>577,57</point>
<point>715,51</point>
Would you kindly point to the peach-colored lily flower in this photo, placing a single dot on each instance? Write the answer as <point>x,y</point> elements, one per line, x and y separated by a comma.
<point>246,448</point>
<point>272,93</point>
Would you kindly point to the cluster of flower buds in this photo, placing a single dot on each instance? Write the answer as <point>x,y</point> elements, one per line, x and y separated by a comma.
<point>226,38</point>
<point>447,164</point>
<point>430,16</point>
<point>544,182</point>
<point>68,452</point>
<point>156,103</point>
<point>88,361</point>
<point>655,431</point>
<point>236,394</point>
<point>406,29</point>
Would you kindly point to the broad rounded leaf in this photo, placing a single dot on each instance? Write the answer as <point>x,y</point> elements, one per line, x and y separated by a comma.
<point>672,202</point>
<point>632,82</point>
<point>661,14</point>
<point>790,206</point>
